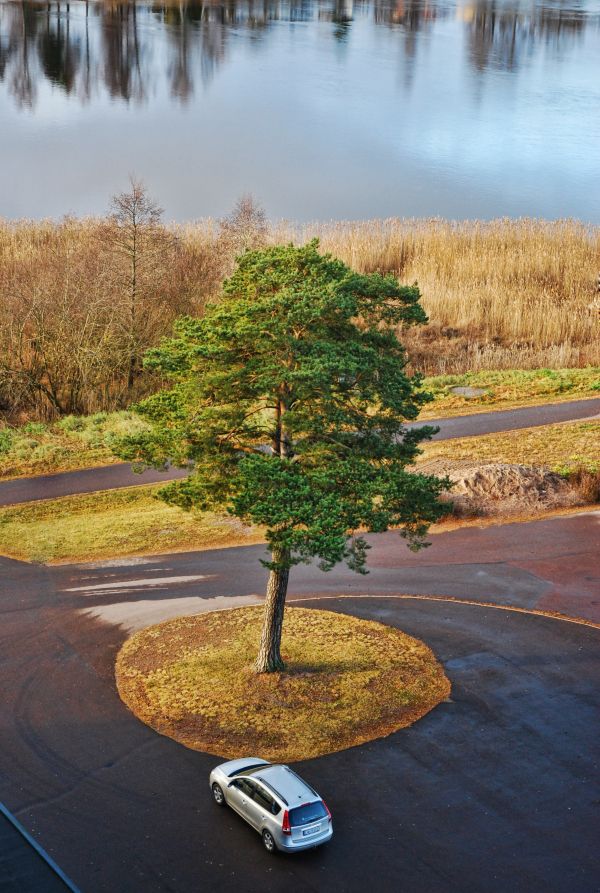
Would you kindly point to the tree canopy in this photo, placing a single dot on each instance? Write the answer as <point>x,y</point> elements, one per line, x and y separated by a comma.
<point>288,401</point>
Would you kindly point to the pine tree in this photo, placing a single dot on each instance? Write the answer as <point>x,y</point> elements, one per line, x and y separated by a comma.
<point>288,401</point>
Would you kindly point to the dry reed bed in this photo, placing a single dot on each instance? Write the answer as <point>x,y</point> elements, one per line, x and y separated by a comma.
<point>500,294</point>
<point>507,293</point>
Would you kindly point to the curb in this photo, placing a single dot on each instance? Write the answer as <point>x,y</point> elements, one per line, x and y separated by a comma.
<point>39,850</point>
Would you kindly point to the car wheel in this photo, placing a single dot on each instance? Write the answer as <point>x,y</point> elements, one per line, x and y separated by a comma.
<point>218,795</point>
<point>269,842</point>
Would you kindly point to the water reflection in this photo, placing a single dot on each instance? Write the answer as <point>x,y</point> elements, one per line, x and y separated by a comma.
<point>85,48</point>
<point>501,37</point>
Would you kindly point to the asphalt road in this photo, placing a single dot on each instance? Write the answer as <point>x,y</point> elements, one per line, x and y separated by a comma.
<point>115,476</point>
<point>496,790</point>
<point>22,870</point>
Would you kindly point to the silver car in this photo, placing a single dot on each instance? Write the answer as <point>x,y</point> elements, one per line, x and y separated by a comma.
<point>287,813</point>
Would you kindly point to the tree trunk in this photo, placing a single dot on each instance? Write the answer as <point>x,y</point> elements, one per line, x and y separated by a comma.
<point>269,655</point>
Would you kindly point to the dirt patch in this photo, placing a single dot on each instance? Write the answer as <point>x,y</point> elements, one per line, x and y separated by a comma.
<point>504,489</point>
<point>347,681</point>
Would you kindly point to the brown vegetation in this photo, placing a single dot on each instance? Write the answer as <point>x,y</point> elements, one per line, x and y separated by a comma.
<point>499,295</point>
<point>131,521</point>
<point>81,300</point>
<point>501,489</point>
<point>347,681</point>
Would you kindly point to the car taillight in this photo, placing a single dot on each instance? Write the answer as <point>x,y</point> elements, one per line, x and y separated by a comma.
<point>327,808</point>
<point>285,826</point>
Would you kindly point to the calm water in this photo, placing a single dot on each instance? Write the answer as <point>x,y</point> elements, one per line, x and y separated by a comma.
<point>321,110</point>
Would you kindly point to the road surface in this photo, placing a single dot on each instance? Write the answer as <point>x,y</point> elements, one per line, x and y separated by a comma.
<point>496,790</point>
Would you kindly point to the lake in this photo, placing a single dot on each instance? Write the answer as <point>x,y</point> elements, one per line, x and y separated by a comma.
<point>321,110</point>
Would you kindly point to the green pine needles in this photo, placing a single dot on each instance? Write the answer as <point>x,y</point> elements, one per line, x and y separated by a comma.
<point>288,402</point>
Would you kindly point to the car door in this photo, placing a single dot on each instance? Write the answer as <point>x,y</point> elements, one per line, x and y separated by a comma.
<point>252,810</point>
<point>268,809</point>
<point>239,793</point>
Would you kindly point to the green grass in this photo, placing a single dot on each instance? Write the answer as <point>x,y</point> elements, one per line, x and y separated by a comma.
<point>507,389</point>
<point>347,681</point>
<point>70,443</point>
<point>85,441</point>
<point>116,522</point>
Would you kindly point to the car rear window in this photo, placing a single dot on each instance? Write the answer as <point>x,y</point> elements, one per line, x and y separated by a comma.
<point>307,813</point>
<point>247,769</point>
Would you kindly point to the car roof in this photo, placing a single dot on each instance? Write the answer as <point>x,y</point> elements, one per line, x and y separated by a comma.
<point>284,782</point>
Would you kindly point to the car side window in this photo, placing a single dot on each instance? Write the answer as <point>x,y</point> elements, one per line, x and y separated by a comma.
<point>266,801</point>
<point>244,786</point>
<point>252,786</point>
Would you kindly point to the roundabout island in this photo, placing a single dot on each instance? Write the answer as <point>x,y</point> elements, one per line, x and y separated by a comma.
<point>346,681</point>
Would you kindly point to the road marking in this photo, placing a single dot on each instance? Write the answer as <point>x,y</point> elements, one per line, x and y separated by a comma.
<point>150,582</point>
<point>139,614</point>
<point>550,615</point>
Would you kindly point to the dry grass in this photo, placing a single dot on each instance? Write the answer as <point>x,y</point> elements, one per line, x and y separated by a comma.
<point>117,522</point>
<point>84,441</point>
<point>454,522</point>
<point>71,443</point>
<point>565,448</point>
<point>500,294</point>
<point>502,490</point>
<point>347,681</point>
<point>132,522</point>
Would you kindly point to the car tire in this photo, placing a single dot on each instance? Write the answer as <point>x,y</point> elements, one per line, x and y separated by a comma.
<point>218,795</point>
<point>269,842</point>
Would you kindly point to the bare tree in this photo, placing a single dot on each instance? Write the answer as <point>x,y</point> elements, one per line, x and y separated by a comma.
<point>82,300</point>
<point>60,350</point>
<point>140,242</point>
<point>244,229</point>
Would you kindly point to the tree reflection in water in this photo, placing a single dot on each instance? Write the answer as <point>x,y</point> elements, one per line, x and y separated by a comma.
<point>84,47</point>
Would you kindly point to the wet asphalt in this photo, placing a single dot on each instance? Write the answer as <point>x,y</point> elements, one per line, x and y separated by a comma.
<point>496,790</point>
<point>22,870</point>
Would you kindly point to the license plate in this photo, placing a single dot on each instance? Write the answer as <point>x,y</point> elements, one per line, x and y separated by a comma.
<point>308,831</point>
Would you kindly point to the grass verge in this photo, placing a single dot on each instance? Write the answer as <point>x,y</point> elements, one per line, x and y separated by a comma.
<point>85,441</point>
<point>72,442</point>
<point>347,681</point>
<point>116,522</point>
<point>509,389</point>
<point>565,448</point>
<point>132,522</point>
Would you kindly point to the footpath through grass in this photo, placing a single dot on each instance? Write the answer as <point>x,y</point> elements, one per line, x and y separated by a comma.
<point>347,681</point>
<point>116,522</point>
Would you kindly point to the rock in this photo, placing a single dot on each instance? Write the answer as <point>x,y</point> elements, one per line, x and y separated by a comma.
<point>469,392</point>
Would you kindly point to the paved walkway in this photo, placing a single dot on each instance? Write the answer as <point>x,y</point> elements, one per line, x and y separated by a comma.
<point>110,477</point>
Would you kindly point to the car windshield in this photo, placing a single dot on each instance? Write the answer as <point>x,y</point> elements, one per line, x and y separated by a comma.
<point>307,813</point>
